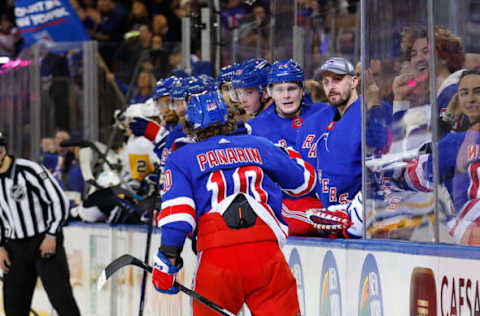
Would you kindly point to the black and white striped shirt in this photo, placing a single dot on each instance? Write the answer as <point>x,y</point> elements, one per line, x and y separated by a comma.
<point>31,201</point>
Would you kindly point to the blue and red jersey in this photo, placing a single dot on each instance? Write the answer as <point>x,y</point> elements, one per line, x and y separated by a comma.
<point>332,143</point>
<point>281,130</point>
<point>205,177</point>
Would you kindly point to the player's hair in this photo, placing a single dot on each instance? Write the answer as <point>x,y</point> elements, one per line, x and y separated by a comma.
<point>447,46</point>
<point>215,129</point>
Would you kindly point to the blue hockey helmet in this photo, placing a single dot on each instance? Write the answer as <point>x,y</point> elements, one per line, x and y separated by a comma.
<point>226,74</point>
<point>251,73</point>
<point>286,71</point>
<point>162,88</point>
<point>179,89</point>
<point>208,81</point>
<point>206,109</point>
<point>195,85</point>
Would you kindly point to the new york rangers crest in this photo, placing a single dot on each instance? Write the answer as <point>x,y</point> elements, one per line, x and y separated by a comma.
<point>211,106</point>
<point>297,122</point>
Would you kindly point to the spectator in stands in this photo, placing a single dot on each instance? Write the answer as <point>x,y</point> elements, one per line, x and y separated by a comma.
<point>157,42</point>
<point>60,136</point>
<point>159,56</point>
<point>138,15</point>
<point>162,26</point>
<point>110,27</point>
<point>159,25</point>
<point>411,88</point>
<point>175,63</point>
<point>458,164</point>
<point>9,37</point>
<point>135,49</point>
<point>231,14</point>
<point>145,86</point>
<point>87,13</point>
<point>315,90</point>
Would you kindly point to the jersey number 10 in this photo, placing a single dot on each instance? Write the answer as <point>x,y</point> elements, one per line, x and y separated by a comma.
<point>247,180</point>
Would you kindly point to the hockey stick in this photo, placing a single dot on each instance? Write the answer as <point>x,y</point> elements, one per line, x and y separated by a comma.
<point>147,250</point>
<point>126,260</point>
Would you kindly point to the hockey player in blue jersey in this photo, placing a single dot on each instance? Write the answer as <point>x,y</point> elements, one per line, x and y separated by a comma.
<point>162,97</point>
<point>228,190</point>
<point>281,121</point>
<point>249,85</point>
<point>181,92</point>
<point>224,82</point>
<point>331,138</point>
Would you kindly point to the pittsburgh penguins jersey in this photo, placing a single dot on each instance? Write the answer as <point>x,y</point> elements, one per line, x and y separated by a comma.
<point>332,144</point>
<point>281,130</point>
<point>139,157</point>
<point>207,176</point>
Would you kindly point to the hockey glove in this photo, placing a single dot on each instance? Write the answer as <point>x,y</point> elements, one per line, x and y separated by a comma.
<point>332,220</point>
<point>143,127</point>
<point>342,220</point>
<point>164,273</point>
<point>355,212</point>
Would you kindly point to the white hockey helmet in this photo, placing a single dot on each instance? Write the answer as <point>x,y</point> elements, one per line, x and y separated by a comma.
<point>134,110</point>
<point>150,109</point>
<point>108,178</point>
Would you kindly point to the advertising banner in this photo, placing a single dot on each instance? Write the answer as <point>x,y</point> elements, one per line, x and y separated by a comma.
<point>334,277</point>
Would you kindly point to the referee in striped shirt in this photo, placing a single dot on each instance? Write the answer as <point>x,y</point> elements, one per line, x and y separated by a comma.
<point>33,209</point>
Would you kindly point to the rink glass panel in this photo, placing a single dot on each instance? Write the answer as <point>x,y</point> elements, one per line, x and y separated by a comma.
<point>44,90</point>
<point>15,103</point>
<point>392,211</point>
<point>396,208</point>
<point>458,151</point>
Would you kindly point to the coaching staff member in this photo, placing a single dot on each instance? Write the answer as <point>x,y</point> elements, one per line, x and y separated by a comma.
<point>33,209</point>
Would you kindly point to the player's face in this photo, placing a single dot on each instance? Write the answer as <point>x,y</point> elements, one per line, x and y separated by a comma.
<point>469,97</point>
<point>127,126</point>
<point>287,97</point>
<point>249,99</point>
<point>338,88</point>
<point>225,91</point>
<point>419,55</point>
<point>163,101</point>
<point>179,106</point>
